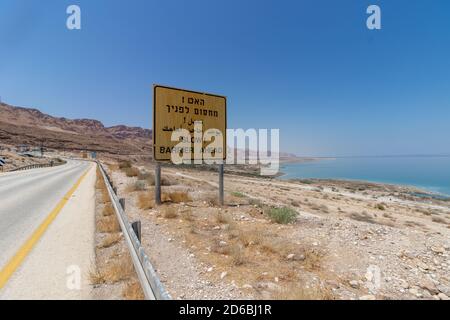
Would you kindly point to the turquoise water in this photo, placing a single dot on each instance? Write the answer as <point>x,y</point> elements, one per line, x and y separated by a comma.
<point>429,173</point>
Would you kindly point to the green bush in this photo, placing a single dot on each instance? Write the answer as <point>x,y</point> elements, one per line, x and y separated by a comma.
<point>283,215</point>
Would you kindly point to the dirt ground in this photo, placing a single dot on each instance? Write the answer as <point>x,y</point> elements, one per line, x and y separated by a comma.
<point>347,241</point>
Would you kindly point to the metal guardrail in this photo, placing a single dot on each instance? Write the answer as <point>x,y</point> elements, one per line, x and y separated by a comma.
<point>150,283</point>
<point>38,165</point>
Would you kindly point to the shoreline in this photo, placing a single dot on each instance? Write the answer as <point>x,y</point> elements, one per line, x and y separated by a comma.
<point>419,191</point>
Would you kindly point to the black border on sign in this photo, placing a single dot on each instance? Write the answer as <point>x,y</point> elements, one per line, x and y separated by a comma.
<point>155,86</point>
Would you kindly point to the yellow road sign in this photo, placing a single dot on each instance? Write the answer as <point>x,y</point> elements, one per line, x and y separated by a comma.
<point>175,109</point>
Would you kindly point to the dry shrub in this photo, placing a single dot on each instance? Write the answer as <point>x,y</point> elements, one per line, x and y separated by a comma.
<point>219,248</point>
<point>364,217</point>
<point>113,166</point>
<point>108,210</point>
<point>439,220</point>
<point>319,207</point>
<point>251,237</point>
<point>312,259</point>
<point>387,215</point>
<point>124,164</point>
<point>187,215</point>
<point>96,277</point>
<point>110,240</point>
<point>131,172</point>
<point>139,185</point>
<point>211,198</point>
<point>297,292</point>
<point>224,218</point>
<point>270,245</point>
<point>295,203</point>
<point>105,196</point>
<point>380,206</point>
<point>413,224</point>
<point>133,291</point>
<point>146,201</point>
<point>166,181</point>
<point>236,253</point>
<point>169,212</point>
<point>108,225</point>
<point>179,196</point>
<point>118,270</point>
<point>144,175</point>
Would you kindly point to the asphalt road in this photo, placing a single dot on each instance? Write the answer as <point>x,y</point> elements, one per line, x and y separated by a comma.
<point>26,199</point>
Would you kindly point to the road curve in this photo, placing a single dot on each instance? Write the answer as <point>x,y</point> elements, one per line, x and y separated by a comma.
<point>26,200</point>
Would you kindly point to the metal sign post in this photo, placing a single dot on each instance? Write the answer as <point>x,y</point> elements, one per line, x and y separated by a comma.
<point>221,195</point>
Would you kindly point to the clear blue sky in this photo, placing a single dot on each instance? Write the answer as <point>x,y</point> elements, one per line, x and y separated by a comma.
<point>310,68</point>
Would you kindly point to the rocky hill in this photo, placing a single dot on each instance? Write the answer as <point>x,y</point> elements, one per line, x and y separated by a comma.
<point>32,127</point>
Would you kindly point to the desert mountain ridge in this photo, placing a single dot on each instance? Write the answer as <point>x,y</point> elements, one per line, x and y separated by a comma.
<point>19,125</point>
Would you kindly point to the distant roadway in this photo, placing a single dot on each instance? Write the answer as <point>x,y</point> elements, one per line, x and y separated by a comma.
<point>47,232</point>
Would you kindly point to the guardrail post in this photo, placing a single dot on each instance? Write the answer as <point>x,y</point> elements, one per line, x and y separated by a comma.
<point>137,229</point>
<point>158,184</point>
<point>122,203</point>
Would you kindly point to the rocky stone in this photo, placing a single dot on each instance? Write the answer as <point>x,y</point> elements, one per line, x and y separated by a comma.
<point>422,265</point>
<point>443,296</point>
<point>429,286</point>
<point>414,291</point>
<point>367,297</point>
<point>404,284</point>
<point>223,274</point>
<point>354,284</point>
<point>290,256</point>
<point>437,249</point>
<point>443,289</point>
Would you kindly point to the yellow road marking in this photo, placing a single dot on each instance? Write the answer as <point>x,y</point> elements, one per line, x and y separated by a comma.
<point>21,254</point>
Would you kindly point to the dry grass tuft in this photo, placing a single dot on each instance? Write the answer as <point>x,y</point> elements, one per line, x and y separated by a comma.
<point>108,210</point>
<point>187,215</point>
<point>145,201</point>
<point>108,225</point>
<point>179,197</point>
<point>125,164</point>
<point>110,240</point>
<point>439,220</point>
<point>363,217</point>
<point>251,237</point>
<point>118,270</point>
<point>224,218</point>
<point>169,212</point>
<point>133,291</point>
<point>96,277</point>
<point>139,185</point>
<point>237,254</point>
<point>131,172</point>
